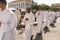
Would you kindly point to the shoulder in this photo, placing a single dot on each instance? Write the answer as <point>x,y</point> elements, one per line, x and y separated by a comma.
<point>37,11</point>
<point>11,12</point>
<point>31,13</point>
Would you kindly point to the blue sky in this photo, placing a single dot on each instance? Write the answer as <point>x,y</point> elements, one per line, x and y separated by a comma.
<point>48,2</point>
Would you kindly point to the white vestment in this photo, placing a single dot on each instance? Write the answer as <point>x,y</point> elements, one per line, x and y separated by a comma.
<point>8,24</point>
<point>58,14</point>
<point>28,25</point>
<point>52,17</point>
<point>39,17</point>
<point>45,18</point>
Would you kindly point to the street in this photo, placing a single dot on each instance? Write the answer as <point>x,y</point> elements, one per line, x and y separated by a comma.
<point>54,33</point>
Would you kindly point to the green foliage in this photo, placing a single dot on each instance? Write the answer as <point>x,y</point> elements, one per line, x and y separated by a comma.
<point>44,7</point>
<point>35,7</point>
<point>53,8</point>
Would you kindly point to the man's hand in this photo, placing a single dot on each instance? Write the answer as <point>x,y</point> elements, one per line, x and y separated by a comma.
<point>26,19</point>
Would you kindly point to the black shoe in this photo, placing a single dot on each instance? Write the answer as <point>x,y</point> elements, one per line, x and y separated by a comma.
<point>52,25</point>
<point>39,34</point>
<point>32,37</point>
<point>46,29</point>
<point>54,21</point>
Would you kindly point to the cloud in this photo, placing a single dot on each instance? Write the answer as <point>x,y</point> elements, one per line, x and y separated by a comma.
<point>48,2</point>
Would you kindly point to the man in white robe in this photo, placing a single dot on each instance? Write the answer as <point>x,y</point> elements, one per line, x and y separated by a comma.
<point>52,18</point>
<point>29,24</point>
<point>39,17</point>
<point>8,22</point>
<point>45,20</point>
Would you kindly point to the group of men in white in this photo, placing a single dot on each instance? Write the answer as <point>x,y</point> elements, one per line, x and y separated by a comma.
<point>8,22</point>
<point>44,18</point>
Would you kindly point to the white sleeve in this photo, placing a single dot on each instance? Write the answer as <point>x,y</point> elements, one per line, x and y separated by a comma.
<point>13,23</point>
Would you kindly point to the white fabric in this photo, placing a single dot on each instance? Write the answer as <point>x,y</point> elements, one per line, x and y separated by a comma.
<point>39,17</point>
<point>52,17</point>
<point>45,18</point>
<point>58,14</point>
<point>28,25</point>
<point>8,24</point>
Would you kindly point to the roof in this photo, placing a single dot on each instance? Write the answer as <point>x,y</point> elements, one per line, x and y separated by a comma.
<point>18,1</point>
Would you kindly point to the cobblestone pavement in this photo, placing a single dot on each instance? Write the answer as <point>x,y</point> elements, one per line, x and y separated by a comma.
<point>54,33</point>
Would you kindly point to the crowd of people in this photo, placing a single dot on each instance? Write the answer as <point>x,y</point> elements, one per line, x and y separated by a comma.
<point>8,22</point>
<point>44,18</point>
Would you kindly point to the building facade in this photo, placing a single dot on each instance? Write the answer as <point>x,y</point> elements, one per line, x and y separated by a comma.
<point>57,5</point>
<point>20,5</point>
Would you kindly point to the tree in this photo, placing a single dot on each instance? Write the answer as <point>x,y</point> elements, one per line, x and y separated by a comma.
<point>35,7</point>
<point>53,8</point>
<point>44,7</point>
